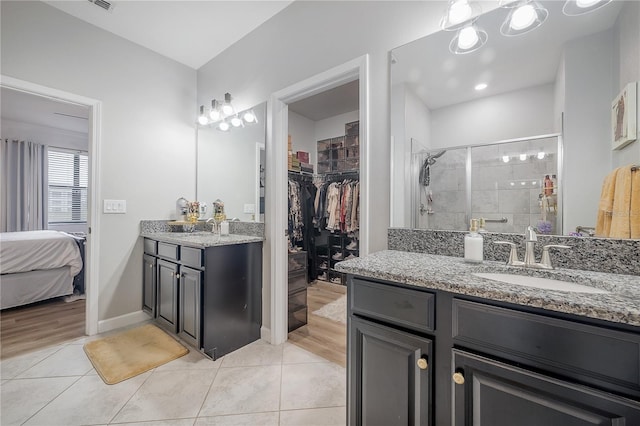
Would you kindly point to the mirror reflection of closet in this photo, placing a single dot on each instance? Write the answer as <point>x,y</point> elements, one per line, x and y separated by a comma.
<point>320,127</point>
<point>228,168</point>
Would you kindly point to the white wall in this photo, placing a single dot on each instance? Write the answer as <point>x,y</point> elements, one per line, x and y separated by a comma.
<point>147,134</point>
<point>303,138</point>
<point>51,136</point>
<point>522,113</point>
<point>627,64</point>
<point>587,124</point>
<point>333,127</point>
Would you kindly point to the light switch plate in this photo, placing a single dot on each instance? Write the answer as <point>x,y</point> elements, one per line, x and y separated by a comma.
<point>249,208</point>
<point>115,206</point>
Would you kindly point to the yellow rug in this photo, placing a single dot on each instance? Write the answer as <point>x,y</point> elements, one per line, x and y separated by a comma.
<point>132,352</point>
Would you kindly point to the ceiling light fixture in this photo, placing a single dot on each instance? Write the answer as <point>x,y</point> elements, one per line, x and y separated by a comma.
<point>467,40</point>
<point>580,7</point>
<point>481,86</point>
<point>525,16</point>
<point>459,13</point>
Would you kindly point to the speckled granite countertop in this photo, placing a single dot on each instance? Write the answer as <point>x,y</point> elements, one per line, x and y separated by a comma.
<point>452,274</point>
<point>200,239</point>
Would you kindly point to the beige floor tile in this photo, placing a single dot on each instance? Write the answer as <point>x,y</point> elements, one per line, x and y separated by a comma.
<point>70,360</point>
<point>243,390</point>
<point>334,416</point>
<point>262,419</point>
<point>293,354</point>
<point>193,360</point>
<point>168,395</point>
<point>313,385</point>
<point>22,398</point>
<point>176,422</point>
<point>98,401</point>
<point>11,367</point>
<point>256,353</point>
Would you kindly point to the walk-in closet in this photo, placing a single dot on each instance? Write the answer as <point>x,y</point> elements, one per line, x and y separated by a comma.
<point>324,216</point>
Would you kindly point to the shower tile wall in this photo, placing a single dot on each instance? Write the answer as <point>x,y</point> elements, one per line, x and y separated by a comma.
<point>448,193</point>
<point>512,190</point>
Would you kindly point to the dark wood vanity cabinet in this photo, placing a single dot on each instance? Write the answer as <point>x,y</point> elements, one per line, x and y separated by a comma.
<point>485,363</point>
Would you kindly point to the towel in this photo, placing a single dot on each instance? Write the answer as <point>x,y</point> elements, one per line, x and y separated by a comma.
<point>634,213</point>
<point>605,207</point>
<point>620,218</point>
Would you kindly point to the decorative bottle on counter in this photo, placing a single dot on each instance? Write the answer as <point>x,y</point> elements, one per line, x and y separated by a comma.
<point>473,244</point>
<point>224,228</point>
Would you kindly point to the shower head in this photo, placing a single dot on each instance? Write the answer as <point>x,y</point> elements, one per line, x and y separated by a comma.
<point>425,173</point>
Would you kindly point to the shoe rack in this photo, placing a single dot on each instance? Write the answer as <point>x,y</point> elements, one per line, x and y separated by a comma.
<point>340,247</point>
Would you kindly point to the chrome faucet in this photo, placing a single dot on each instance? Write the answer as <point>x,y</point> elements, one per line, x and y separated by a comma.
<point>215,228</point>
<point>530,239</point>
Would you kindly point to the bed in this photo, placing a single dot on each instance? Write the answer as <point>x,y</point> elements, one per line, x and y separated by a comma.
<point>38,265</point>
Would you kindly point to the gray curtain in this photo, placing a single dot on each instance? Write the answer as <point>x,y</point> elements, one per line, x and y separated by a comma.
<point>24,189</point>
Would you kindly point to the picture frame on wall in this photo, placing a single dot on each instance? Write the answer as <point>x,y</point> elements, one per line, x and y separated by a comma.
<point>624,117</point>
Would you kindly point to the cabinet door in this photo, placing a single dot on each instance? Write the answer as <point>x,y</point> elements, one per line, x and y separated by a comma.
<point>490,393</point>
<point>390,377</point>
<point>149,285</point>
<point>167,308</point>
<point>190,303</point>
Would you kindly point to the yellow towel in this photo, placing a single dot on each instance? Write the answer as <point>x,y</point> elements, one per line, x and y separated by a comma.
<point>620,219</point>
<point>634,214</point>
<point>605,207</point>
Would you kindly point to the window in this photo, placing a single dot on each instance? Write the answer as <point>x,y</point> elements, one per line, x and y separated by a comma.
<point>68,179</point>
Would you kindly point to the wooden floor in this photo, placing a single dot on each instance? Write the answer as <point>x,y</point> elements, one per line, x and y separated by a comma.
<point>322,336</point>
<point>40,325</point>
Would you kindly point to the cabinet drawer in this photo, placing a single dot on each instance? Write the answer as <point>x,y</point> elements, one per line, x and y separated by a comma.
<point>405,307</point>
<point>298,261</point>
<point>150,246</point>
<point>192,257</point>
<point>297,300</point>
<point>297,281</point>
<point>595,355</point>
<point>297,319</point>
<point>168,251</point>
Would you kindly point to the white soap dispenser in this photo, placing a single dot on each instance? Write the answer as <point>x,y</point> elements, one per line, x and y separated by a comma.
<point>473,244</point>
<point>224,228</point>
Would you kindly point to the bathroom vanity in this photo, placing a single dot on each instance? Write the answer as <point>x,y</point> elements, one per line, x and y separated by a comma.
<point>430,343</point>
<point>205,288</point>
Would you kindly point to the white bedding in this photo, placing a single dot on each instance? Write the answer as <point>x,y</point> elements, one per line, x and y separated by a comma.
<point>38,250</point>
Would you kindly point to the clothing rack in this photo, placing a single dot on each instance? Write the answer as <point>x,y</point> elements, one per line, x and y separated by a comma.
<point>300,176</point>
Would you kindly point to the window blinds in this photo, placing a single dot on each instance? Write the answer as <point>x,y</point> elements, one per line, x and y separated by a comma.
<point>68,179</point>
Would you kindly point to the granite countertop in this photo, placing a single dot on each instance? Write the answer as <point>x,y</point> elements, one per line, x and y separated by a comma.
<point>452,274</point>
<point>200,239</point>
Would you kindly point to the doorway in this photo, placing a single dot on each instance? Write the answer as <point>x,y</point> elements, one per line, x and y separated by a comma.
<point>92,204</point>
<point>277,176</point>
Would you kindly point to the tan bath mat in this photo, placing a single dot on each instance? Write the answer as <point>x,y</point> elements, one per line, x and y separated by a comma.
<point>132,352</point>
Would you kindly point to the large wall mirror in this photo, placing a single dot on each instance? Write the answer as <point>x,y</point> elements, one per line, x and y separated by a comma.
<point>533,145</point>
<point>231,168</point>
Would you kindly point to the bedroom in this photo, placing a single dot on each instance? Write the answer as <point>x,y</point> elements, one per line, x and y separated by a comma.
<point>44,219</point>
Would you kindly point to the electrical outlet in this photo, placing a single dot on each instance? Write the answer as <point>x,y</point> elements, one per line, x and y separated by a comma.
<point>249,208</point>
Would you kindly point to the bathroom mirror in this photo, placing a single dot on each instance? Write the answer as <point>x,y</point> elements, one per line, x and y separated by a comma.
<point>229,168</point>
<point>554,84</point>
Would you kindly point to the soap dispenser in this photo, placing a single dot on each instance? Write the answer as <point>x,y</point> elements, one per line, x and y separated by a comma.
<point>473,244</point>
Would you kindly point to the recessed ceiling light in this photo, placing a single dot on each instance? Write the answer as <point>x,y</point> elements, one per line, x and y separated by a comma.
<point>481,86</point>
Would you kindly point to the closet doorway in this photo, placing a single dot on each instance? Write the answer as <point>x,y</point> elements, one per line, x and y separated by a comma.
<point>67,125</point>
<point>323,171</point>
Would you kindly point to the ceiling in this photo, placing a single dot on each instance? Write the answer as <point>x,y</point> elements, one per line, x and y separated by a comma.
<point>506,64</point>
<point>27,108</point>
<point>190,32</point>
<point>336,101</point>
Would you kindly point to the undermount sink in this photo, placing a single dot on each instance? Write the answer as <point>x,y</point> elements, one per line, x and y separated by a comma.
<point>542,283</point>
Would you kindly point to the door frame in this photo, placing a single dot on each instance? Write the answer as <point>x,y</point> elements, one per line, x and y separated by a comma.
<point>93,208</point>
<point>276,176</point>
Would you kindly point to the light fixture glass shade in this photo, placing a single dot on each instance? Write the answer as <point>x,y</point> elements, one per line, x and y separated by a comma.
<point>249,117</point>
<point>223,126</point>
<point>467,40</point>
<point>505,158</point>
<point>215,113</point>
<point>580,7</point>
<point>227,108</point>
<point>541,155</point>
<point>202,118</point>
<point>524,17</point>
<point>523,157</point>
<point>236,121</point>
<point>459,13</point>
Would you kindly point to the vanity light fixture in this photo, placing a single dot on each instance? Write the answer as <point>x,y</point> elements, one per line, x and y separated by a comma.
<point>223,126</point>
<point>250,116</point>
<point>525,16</point>
<point>215,114</point>
<point>227,108</point>
<point>202,118</point>
<point>580,7</point>
<point>523,157</point>
<point>541,155</point>
<point>459,13</point>
<point>505,158</point>
<point>236,121</point>
<point>481,86</point>
<point>467,40</point>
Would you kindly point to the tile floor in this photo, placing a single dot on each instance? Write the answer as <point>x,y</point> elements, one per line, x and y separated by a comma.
<point>259,384</point>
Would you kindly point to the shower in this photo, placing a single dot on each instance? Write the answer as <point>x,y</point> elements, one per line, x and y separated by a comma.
<point>425,177</point>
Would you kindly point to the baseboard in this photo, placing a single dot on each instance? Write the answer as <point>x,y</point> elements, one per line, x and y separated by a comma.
<point>265,334</point>
<point>122,321</point>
